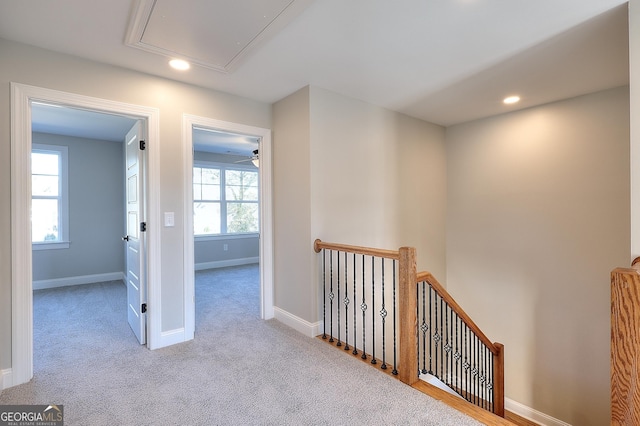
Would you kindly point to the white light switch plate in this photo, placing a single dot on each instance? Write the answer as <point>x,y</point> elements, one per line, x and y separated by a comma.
<point>169,219</point>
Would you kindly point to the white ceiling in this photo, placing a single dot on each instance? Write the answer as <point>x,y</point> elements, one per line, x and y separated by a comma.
<point>444,61</point>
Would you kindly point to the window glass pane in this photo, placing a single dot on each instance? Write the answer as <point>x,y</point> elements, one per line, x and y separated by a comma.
<point>43,163</point>
<point>211,192</point>
<point>197,191</point>
<point>44,220</point>
<point>197,175</point>
<point>211,176</point>
<point>206,218</point>
<point>242,217</point>
<point>241,185</point>
<point>44,185</point>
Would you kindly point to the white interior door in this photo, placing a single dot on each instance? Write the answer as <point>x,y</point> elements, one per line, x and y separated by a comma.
<point>136,228</point>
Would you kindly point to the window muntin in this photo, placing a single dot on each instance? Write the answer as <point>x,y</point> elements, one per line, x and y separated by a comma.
<point>225,200</point>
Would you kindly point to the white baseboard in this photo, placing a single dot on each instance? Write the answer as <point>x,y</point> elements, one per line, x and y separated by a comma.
<point>531,414</point>
<point>303,326</point>
<point>6,380</point>
<point>225,263</point>
<point>84,279</point>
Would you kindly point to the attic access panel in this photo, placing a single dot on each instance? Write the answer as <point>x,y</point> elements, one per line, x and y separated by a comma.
<point>212,34</point>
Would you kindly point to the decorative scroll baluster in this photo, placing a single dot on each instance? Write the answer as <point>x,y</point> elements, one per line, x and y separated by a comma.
<point>373,311</point>
<point>424,327</point>
<point>324,294</point>
<point>339,342</point>
<point>331,295</point>
<point>363,307</point>
<point>447,347</point>
<point>430,322</point>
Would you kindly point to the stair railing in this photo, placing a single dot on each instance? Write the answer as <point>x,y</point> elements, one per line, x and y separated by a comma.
<point>373,300</point>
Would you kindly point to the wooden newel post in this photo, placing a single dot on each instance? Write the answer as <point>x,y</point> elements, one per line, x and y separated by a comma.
<point>408,317</point>
<point>498,380</point>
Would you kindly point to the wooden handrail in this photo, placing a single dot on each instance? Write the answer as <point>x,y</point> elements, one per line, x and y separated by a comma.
<point>442,292</point>
<point>389,254</point>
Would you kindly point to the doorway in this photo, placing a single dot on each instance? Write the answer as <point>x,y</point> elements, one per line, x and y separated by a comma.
<point>22,97</point>
<point>262,138</point>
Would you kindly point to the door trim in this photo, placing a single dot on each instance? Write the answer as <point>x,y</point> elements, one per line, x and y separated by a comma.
<point>266,213</point>
<point>21,258</point>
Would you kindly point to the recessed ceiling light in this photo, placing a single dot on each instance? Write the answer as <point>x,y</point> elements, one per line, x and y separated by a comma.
<point>511,100</point>
<point>179,64</point>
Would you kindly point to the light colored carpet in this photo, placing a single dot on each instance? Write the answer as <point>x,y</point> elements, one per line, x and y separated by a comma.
<point>239,370</point>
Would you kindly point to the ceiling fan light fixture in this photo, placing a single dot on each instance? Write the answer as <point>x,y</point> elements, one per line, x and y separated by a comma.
<point>179,64</point>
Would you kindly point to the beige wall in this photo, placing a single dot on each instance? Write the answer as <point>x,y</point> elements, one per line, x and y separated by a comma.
<point>537,217</point>
<point>378,178</point>
<point>293,260</point>
<point>37,67</point>
<point>349,172</point>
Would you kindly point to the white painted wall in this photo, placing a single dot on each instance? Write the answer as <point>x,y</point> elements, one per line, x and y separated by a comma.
<point>38,67</point>
<point>537,217</point>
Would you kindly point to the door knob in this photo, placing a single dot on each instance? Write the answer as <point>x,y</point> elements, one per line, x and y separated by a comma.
<point>125,238</point>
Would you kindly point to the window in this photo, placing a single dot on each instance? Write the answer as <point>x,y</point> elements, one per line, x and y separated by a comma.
<point>225,200</point>
<point>49,205</point>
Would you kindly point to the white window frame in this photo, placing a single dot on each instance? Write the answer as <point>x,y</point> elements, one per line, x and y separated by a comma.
<point>63,198</point>
<point>223,201</point>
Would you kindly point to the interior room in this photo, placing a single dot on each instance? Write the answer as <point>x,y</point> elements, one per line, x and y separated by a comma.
<point>378,125</point>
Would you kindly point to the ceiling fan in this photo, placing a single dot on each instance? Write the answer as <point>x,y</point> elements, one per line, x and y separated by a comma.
<point>254,158</point>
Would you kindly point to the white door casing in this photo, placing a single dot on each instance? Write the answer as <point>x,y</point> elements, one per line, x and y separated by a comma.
<point>266,215</point>
<point>21,257</point>
<point>136,231</point>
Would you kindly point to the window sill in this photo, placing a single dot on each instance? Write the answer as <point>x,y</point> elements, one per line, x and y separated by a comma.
<point>50,246</point>
<point>220,237</point>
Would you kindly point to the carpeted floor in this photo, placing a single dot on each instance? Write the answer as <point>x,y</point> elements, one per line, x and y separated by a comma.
<point>239,370</point>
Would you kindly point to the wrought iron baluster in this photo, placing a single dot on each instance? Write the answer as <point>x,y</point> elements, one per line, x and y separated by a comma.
<point>440,347</point>
<point>456,354</point>
<point>383,315</point>
<point>466,362</point>
<point>424,327</point>
<point>324,294</point>
<point>395,314</point>
<point>373,311</point>
<point>445,377</point>
<point>355,301</point>
<point>339,343</point>
<point>331,295</point>
<point>363,308</point>
<point>475,366</point>
<point>431,329</point>
<point>346,303</point>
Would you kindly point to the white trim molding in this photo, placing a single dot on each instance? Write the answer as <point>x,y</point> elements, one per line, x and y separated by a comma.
<point>266,212</point>
<point>531,414</point>
<point>79,280</point>
<point>6,380</point>
<point>21,250</point>
<point>303,326</point>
